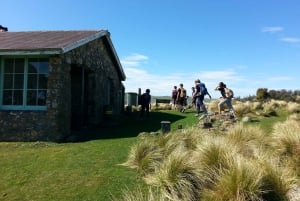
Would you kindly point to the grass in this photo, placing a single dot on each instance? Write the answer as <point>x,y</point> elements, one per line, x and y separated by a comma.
<point>75,171</point>
<point>89,168</point>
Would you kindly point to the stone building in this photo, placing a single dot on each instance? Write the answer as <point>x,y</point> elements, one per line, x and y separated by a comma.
<point>53,82</point>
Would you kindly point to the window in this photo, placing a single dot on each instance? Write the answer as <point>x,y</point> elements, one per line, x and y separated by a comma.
<point>24,83</point>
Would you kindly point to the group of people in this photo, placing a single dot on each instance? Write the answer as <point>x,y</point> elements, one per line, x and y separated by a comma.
<point>179,98</point>
<point>199,91</point>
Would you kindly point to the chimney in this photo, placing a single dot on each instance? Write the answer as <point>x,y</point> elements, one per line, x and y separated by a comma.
<point>3,29</point>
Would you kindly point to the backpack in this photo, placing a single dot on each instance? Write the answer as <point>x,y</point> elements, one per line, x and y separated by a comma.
<point>228,93</point>
<point>202,89</point>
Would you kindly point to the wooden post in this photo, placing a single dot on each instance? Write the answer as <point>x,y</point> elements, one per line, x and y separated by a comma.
<point>165,126</point>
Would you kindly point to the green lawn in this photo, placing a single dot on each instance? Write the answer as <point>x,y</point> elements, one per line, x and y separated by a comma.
<point>84,170</point>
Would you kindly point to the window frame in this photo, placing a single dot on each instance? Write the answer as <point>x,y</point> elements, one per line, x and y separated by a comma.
<point>24,106</point>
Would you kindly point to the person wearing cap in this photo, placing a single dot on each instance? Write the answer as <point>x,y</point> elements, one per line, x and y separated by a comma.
<point>145,103</point>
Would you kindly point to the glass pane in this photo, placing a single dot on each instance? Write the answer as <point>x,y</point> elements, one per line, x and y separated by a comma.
<point>7,97</point>
<point>18,97</point>
<point>8,65</point>
<point>19,81</point>
<point>31,97</point>
<point>8,81</point>
<point>33,65</point>
<point>42,97</point>
<point>32,81</point>
<point>44,66</point>
<point>19,65</point>
<point>43,81</point>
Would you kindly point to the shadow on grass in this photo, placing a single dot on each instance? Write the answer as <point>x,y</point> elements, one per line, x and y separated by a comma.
<point>129,125</point>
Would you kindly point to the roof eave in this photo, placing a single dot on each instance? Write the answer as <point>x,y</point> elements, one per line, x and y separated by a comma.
<point>84,41</point>
<point>123,76</point>
<point>30,52</point>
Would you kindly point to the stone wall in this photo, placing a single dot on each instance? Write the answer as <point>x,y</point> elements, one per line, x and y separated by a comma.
<point>54,123</point>
<point>22,125</point>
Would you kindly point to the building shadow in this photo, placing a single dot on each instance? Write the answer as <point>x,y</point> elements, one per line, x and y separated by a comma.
<point>128,125</point>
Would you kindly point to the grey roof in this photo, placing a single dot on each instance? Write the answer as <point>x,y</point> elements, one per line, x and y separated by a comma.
<point>50,42</point>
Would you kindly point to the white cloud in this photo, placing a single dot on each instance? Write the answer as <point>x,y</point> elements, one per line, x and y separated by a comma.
<point>281,78</point>
<point>290,40</point>
<point>272,29</point>
<point>133,60</point>
<point>161,85</point>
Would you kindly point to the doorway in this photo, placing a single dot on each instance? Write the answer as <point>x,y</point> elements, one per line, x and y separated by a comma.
<point>81,96</point>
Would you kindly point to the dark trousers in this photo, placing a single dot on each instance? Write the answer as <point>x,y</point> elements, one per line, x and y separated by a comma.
<point>145,108</point>
<point>200,104</point>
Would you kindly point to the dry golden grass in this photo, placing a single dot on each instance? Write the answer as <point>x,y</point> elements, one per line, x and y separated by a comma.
<point>177,178</point>
<point>240,164</point>
<point>293,107</point>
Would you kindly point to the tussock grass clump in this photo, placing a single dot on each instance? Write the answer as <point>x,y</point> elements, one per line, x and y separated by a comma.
<point>271,106</point>
<point>286,142</point>
<point>145,157</point>
<point>189,138</point>
<point>246,138</point>
<point>278,177</point>
<point>213,105</point>
<point>215,154</point>
<point>286,138</point>
<point>161,106</point>
<point>242,182</point>
<point>177,178</point>
<point>295,117</point>
<point>242,108</point>
<point>256,105</point>
<point>293,107</point>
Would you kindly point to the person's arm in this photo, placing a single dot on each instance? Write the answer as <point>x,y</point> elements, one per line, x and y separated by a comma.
<point>209,95</point>
<point>197,89</point>
<point>178,94</point>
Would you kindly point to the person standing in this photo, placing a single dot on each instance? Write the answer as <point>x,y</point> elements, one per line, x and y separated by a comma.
<point>200,93</point>
<point>181,98</point>
<point>226,97</point>
<point>174,97</point>
<point>145,103</point>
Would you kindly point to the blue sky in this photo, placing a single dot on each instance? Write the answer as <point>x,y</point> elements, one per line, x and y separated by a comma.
<point>248,44</point>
